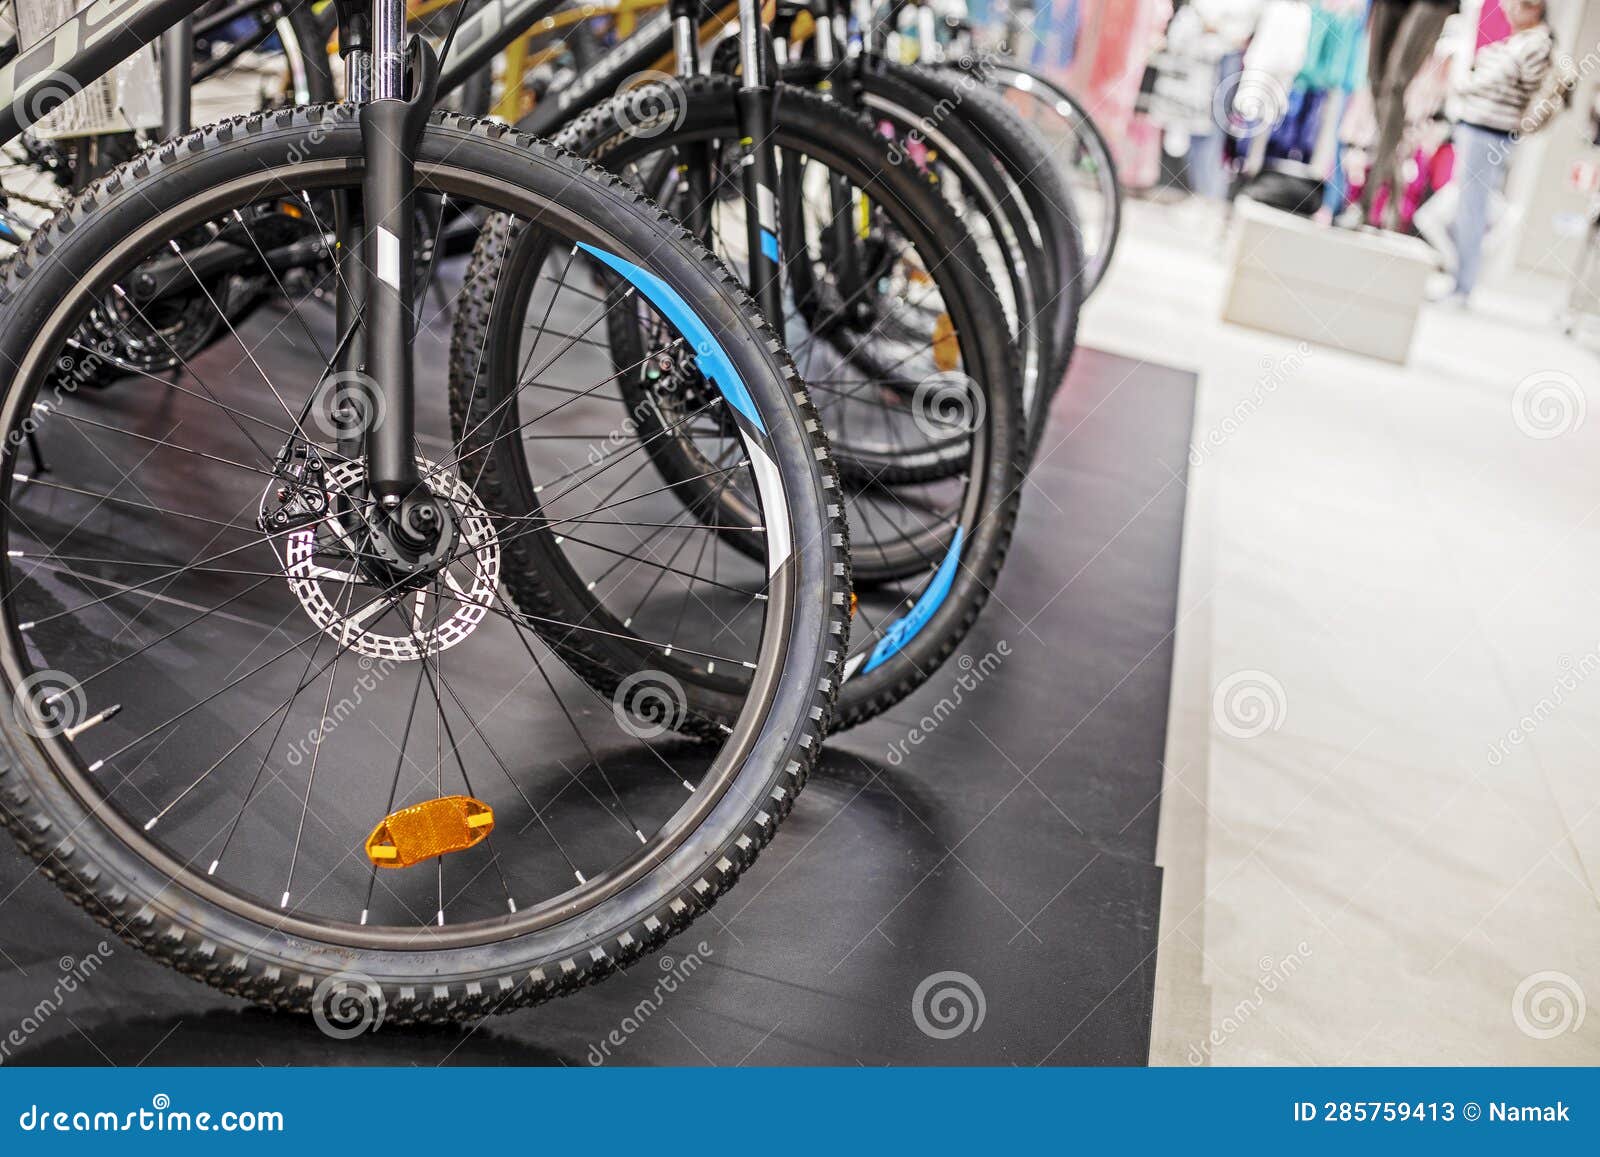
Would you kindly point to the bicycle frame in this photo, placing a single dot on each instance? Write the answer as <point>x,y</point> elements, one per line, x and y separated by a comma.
<point>95,40</point>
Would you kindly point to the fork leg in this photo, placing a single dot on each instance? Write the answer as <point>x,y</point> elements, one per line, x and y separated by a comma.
<point>391,127</point>
<point>760,164</point>
<point>696,164</point>
<point>177,60</point>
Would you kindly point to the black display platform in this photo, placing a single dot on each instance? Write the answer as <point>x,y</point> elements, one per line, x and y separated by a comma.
<point>1013,845</point>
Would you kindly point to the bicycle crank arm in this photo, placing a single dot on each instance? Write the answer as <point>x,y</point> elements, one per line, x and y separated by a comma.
<point>170,276</point>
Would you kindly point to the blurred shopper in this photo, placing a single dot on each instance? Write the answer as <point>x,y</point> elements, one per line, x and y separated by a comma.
<point>1228,26</point>
<point>1499,102</point>
<point>1401,39</point>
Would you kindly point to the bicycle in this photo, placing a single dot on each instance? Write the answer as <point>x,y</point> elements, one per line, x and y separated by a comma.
<point>234,579</point>
<point>216,57</point>
<point>985,154</point>
<point>1073,140</point>
<point>900,338</point>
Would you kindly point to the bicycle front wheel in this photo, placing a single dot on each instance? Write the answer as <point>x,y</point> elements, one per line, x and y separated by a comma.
<point>282,762</point>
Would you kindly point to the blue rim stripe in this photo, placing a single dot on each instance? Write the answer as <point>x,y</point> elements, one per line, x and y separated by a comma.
<point>709,355</point>
<point>769,244</point>
<point>897,636</point>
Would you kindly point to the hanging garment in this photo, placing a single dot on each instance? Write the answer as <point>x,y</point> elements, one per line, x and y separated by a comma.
<point>1283,35</point>
<point>1335,49</point>
<point>1295,137</point>
<point>1109,81</point>
<point>1492,24</point>
<point>1430,172</point>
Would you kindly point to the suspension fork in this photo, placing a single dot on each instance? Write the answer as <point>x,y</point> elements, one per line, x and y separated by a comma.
<point>391,128</point>
<point>695,168</point>
<point>842,212</point>
<point>754,105</point>
<point>177,61</point>
<point>348,225</point>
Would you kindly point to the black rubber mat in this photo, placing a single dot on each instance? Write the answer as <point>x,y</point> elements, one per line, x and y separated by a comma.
<point>968,880</point>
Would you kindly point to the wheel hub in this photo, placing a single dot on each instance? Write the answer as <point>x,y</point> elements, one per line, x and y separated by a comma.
<point>390,593</point>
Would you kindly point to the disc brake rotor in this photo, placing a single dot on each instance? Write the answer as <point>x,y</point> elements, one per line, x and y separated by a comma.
<point>320,562</point>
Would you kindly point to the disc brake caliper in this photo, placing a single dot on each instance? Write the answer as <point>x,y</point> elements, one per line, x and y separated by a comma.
<point>302,497</point>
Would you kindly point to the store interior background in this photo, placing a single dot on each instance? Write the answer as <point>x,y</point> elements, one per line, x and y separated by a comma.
<point>1395,859</point>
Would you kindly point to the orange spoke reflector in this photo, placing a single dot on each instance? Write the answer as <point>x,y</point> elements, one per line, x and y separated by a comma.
<point>434,828</point>
<point>946,349</point>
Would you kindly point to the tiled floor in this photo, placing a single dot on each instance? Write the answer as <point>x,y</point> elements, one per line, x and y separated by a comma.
<point>1381,828</point>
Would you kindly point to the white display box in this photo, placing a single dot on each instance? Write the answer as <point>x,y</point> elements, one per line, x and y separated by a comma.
<point>1355,290</point>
